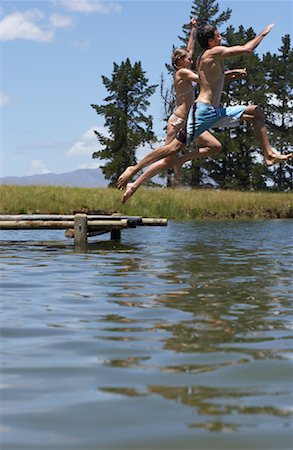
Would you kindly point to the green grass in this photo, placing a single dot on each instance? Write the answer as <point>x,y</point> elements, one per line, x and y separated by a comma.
<point>159,202</point>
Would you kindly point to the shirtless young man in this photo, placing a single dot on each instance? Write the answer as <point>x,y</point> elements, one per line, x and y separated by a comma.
<point>206,113</point>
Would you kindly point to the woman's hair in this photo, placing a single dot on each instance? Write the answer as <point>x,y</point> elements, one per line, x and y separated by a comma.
<point>178,54</point>
<point>203,34</point>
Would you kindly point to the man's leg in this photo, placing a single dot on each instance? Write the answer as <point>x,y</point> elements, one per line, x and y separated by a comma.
<point>209,146</point>
<point>255,114</point>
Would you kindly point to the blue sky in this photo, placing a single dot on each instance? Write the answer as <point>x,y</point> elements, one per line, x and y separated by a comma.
<point>53,54</point>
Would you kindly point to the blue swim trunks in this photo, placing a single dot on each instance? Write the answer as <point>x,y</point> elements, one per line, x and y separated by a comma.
<point>203,116</point>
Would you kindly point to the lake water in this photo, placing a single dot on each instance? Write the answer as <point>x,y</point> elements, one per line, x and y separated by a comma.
<point>179,337</point>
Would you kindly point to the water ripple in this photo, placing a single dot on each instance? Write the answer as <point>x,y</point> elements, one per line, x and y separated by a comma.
<point>174,336</point>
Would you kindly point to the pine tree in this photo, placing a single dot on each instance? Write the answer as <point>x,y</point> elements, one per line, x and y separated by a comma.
<point>279,83</point>
<point>206,11</point>
<point>125,118</point>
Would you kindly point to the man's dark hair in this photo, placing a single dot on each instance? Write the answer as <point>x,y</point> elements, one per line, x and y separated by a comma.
<point>203,34</point>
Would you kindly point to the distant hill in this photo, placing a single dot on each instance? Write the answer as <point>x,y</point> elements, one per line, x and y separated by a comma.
<point>87,178</point>
<point>78,178</point>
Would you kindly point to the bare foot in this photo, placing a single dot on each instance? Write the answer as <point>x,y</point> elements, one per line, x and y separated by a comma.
<point>130,190</point>
<point>125,177</point>
<point>277,158</point>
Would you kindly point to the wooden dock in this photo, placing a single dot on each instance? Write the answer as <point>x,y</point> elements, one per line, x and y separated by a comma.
<point>78,226</point>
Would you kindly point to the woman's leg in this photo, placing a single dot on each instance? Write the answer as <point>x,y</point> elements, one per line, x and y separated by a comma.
<point>171,147</point>
<point>156,167</point>
<point>153,170</point>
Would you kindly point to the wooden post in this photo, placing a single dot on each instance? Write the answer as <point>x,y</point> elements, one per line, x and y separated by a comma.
<point>115,235</point>
<point>80,232</point>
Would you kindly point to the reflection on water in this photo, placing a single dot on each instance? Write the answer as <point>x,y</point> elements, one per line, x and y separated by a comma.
<point>176,338</point>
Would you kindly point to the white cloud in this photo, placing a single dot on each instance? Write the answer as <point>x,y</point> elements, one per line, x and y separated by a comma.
<point>32,25</point>
<point>20,25</point>
<point>60,21</point>
<point>88,144</point>
<point>4,99</point>
<point>37,167</point>
<point>87,6</point>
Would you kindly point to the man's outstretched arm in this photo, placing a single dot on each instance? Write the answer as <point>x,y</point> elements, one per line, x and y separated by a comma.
<point>237,50</point>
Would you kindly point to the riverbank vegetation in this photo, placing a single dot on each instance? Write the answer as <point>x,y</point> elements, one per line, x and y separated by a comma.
<point>160,202</point>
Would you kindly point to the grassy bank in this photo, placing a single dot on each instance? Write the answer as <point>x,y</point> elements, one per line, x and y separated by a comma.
<point>173,204</point>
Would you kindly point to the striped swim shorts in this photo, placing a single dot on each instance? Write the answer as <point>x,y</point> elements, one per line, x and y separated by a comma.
<point>203,116</point>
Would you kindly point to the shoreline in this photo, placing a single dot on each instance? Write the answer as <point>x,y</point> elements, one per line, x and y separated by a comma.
<point>179,203</point>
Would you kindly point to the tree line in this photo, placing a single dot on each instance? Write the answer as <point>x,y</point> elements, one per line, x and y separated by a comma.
<point>239,165</point>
